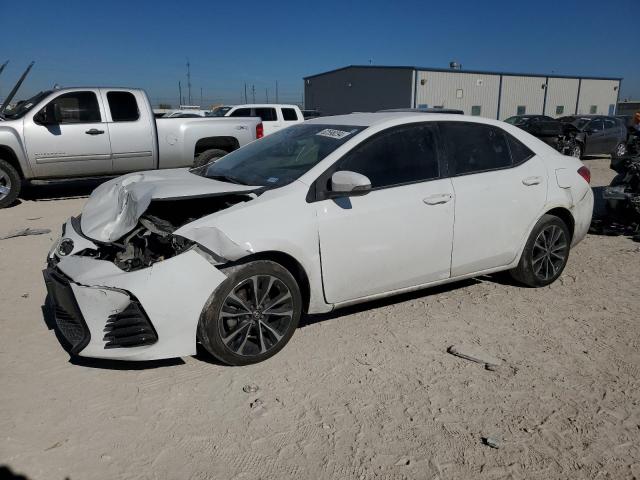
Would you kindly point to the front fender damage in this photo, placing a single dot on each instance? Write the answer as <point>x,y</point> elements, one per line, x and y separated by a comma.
<point>217,242</point>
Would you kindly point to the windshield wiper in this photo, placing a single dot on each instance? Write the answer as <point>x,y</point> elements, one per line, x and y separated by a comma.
<point>226,178</point>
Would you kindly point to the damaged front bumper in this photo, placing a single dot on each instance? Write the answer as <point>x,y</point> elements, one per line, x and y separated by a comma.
<point>102,311</point>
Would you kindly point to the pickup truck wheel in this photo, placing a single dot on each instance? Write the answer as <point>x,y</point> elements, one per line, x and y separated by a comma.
<point>10,184</point>
<point>252,314</point>
<point>208,156</point>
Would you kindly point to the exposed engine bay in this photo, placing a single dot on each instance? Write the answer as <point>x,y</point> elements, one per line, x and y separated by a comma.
<point>152,240</point>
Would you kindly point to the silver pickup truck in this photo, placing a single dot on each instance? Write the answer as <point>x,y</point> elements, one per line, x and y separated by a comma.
<point>92,132</point>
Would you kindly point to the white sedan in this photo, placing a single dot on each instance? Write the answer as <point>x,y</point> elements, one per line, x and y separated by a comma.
<point>336,211</point>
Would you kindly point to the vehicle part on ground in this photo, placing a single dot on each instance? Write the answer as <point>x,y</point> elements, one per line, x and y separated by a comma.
<point>546,253</point>
<point>208,156</point>
<point>622,200</point>
<point>252,314</point>
<point>10,183</point>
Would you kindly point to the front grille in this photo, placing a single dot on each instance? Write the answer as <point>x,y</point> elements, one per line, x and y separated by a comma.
<point>129,328</point>
<point>69,322</point>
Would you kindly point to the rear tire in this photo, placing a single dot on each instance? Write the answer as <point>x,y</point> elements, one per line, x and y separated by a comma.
<point>546,253</point>
<point>252,314</point>
<point>208,156</point>
<point>10,184</point>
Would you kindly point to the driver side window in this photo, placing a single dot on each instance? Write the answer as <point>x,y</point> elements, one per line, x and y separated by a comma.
<point>75,107</point>
<point>397,156</point>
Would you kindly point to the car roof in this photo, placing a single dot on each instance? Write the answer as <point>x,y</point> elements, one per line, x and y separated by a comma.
<point>265,105</point>
<point>363,119</point>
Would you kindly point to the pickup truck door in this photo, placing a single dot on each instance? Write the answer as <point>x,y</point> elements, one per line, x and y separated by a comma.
<point>75,139</point>
<point>131,130</point>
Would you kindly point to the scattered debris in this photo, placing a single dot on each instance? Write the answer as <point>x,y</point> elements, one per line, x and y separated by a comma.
<point>250,388</point>
<point>25,295</point>
<point>26,232</point>
<point>491,442</point>
<point>34,218</point>
<point>403,461</point>
<point>474,354</point>
<point>56,445</point>
<point>257,403</point>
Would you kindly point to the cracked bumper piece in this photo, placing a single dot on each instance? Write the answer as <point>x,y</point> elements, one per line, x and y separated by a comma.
<point>146,314</point>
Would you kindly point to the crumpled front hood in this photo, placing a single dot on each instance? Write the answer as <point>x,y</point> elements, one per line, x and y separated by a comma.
<point>113,209</point>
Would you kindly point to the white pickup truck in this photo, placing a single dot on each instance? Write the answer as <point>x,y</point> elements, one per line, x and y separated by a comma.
<point>92,132</point>
<point>274,116</point>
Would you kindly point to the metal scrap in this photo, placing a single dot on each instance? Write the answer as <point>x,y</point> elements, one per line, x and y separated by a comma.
<point>24,232</point>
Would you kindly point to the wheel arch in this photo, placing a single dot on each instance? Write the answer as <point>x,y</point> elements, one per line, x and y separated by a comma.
<point>292,265</point>
<point>565,215</point>
<point>7,154</point>
<point>228,144</point>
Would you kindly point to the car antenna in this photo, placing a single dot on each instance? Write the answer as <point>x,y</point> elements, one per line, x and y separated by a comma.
<point>3,65</point>
<point>13,92</point>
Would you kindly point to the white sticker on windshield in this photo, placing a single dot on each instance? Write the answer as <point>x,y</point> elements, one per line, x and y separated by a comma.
<point>272,179</point>
<point>331,133</point>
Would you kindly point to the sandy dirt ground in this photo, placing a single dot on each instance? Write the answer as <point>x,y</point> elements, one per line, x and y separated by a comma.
<point>369,392</point>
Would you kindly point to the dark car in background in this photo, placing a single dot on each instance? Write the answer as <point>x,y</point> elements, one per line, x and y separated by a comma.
<point>598,134</point>
<point>547,129</point>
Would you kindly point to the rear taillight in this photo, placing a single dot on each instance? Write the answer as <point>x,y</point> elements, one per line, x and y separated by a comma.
<point>585,173</point>
<point>260,131</point>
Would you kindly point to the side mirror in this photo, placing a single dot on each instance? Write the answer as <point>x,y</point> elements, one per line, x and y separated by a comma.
<point>49,115</point>
<point>348,184</point>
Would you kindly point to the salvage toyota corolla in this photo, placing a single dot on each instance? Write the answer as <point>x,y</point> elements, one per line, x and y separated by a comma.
<point>332,212</point>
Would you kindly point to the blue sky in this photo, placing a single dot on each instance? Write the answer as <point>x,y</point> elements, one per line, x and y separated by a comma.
<point>146,44</point>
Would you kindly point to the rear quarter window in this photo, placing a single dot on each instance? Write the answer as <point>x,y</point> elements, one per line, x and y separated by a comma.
<point>289,115</point>
<point>475,147</point>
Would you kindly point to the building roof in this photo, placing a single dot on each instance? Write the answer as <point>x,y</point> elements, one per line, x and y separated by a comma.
<point>450,70</point>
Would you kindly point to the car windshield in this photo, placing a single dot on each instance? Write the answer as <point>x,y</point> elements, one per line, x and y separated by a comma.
<point>516,120</point>
<point>23,106</point>
<point>218,112</point>
<point>281,157</point>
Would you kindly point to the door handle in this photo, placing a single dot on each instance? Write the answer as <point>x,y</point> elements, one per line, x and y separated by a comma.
<point>94,131</point>
<point>437,199</point>
<point>529,181</point>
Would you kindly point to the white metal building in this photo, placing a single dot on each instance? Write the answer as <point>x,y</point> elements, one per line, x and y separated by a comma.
<point>489,94</point>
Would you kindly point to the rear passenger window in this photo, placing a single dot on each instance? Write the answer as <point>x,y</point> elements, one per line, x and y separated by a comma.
<point>400,155</point>
<point>241,112</point>
<point>289,115</point>
<point>519,152</point>
<point>267,114</point>
<point>609,123</point>
<point>475,147</point>
<point>123,106</point>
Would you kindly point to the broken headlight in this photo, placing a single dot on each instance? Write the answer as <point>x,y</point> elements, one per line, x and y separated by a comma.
<point>65,247</point>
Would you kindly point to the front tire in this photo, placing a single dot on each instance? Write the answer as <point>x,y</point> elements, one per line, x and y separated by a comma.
<point>546,253</point>
<point>10,184</point>
<point>252,315</point>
